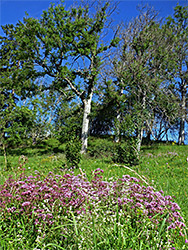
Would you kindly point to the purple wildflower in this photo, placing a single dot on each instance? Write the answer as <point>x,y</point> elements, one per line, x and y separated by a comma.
<point>27,203</point>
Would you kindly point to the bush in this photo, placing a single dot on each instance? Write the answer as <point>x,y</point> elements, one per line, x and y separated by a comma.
<point>70,212</point>
<point>72,152</point>
<point>50,144</point>
<point>126,152</point>
<point>122,152</point>
<point>98,147</point>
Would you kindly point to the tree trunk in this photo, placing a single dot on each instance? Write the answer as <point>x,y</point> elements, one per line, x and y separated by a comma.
<point>140,136</point>
<point>182,131</point>
<point>85,123</point>
<point>118,125</point>
<point>183,115</point>
<point>141,129</point>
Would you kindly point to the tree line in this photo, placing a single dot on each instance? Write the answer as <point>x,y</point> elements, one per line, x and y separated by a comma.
<point>72,72</point>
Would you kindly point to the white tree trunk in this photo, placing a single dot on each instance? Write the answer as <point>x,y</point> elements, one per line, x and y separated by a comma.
<point>182,131</point>
<point>118,124</point>
<point>183,116</point>
<point>141,129</point>
<point>140,136</point>
<point>85,123</point>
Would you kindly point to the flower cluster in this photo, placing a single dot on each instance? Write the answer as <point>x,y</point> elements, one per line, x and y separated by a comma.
<point>172,154</point>
<point>47,199</point>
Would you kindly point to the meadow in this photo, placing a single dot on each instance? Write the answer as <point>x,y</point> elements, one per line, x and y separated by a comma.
<point>46,204</point>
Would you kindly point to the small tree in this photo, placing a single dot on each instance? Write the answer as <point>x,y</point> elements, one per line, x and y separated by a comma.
<point>16,85</point>
<point>16,123</point>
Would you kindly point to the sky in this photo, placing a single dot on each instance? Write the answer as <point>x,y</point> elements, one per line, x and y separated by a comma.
<point>11,11</point>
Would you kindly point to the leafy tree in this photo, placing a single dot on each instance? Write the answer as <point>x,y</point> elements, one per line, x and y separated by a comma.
<point>178,31</point>
<point>14,88</point>
<point>15,123</point>
<point>140,70</point>
<point>65,45</point>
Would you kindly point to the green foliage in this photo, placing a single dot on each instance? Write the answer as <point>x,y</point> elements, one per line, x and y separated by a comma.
<point>102,118</point>
<point>100,147</point>
<point>16,122</point>
<point>126,152</point>
<point>19,121</point>
<point>143,71</point>
<point>63,44</point>
<point>51,144</point>
<point>177,27</point>
<point>68,121</point>
<point>42,106</point>
<point>72,152</point>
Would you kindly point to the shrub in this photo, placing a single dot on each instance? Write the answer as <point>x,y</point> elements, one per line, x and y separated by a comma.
<point>69,212</point>
<point>72,152</point>
<point>50,144</point>
<point>126,153</point>
<point>100,147</point>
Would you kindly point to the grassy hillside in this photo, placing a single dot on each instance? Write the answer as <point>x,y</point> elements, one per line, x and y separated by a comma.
<point>165,167</point>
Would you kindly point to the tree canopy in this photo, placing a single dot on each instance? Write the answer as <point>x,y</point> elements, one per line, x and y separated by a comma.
<point>131,82</point>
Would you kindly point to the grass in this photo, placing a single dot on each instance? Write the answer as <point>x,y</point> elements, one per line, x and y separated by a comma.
<point>167,167</point>
<point>164,166</point>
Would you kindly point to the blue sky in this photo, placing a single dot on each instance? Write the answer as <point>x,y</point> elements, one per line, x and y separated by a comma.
<point>12,10</point>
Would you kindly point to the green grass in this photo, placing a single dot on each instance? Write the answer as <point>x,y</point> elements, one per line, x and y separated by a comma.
<point>167,167</point>
<point>164,166</point>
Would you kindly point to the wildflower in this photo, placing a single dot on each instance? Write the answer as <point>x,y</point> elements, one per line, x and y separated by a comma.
<point>36,222</point>
<point>48,199</point>
<point>150,155</point>
<point>27,203</point>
